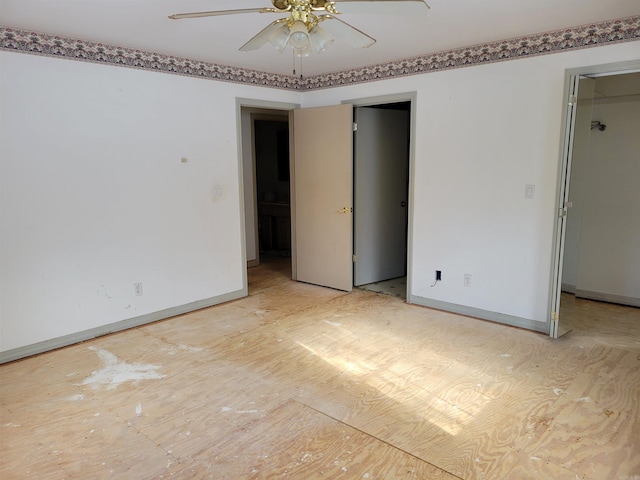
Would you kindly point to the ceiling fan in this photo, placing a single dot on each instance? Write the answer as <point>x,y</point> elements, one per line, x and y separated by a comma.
<point>301,28</point>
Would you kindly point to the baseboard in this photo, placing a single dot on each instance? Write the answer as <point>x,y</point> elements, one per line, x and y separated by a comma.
<point>66,340</point>
<point>511,320</point>
<point>608,297</point>
<point>565,287</point>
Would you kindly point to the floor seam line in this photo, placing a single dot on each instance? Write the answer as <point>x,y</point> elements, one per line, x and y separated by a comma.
<point>379,439</point>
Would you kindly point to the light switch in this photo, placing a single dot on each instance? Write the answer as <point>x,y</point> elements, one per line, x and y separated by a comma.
<point>529,191</point>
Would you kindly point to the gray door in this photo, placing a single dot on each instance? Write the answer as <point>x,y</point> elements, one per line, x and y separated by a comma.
<point>381,159</point>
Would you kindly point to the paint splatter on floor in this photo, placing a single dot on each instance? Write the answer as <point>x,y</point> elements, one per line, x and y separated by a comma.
<point>116,372</point>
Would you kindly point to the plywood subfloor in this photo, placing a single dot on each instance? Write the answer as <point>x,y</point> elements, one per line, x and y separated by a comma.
<point>302,382</point>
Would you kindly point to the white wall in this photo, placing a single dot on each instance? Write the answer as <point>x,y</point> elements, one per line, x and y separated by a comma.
<point>609,254</point>
<point>482,134</point>
<point>95,196</point>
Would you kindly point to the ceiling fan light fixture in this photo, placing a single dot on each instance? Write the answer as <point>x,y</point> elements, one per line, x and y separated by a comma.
<point>299,36</point>
<point>300,28</point>
<point>279,37</point>
<point>320,39</point>
<point>302,52</point>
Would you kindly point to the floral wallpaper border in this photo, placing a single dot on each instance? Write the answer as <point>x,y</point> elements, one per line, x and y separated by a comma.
<point>609,32</point>
<point>598,34</point>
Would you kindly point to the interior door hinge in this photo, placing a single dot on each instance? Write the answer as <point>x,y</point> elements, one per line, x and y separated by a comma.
<point>573,100</point>
<point>562,212</point>
<point>355,127</point>
<point>355,258</point>
<point>555,317</point>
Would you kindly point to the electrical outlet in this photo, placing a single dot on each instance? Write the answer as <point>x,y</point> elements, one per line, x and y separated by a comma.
<point>467,280</point>
<point>438,275</point>
<point>137,287</point>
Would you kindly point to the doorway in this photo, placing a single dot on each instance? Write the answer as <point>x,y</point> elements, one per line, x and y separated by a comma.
<point>328,204</point>
<point>598,229</point>
<point>249,112</point>
<point>271,157</point>
<point>257,229</point>
<point>381,186</point>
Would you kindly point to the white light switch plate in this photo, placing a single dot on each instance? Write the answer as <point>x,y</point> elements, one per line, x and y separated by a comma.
<point>529,191</point>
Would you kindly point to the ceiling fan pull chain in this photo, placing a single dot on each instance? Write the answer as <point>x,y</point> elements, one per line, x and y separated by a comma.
<point>293,56</point>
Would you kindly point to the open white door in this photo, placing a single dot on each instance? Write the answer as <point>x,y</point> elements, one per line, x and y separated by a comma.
<point>581,92</point>
<point>381,159</point>
<point>322,195</point>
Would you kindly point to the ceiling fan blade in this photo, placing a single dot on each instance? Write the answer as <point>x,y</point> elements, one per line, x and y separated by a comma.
<point>268,34</point>
<point>344,31</point>
<point>215,13</point>
<point>386,7</point>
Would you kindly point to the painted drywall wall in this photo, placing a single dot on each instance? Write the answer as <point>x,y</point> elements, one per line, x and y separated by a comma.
<point>609,254</point>
<point>482,134</point>
<point>96,197</point>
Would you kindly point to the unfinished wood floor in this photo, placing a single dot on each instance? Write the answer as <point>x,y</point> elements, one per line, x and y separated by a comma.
<point>301,382</point>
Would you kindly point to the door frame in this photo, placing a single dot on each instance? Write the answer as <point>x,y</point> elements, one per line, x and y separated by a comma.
<point>563,176</point>
<point>412,98</point>
<point>241,138</point>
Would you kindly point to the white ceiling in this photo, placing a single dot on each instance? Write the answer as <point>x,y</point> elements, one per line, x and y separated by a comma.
<point>143,25</point>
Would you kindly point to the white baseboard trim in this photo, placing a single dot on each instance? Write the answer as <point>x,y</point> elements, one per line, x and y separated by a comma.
<point>565,287</point>
<point>608,297</point>
<point>542,327</point>
<point>66,340</point>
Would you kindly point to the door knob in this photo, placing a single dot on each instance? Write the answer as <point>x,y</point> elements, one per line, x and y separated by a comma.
<point>403,204</point>
<point>344,210</point>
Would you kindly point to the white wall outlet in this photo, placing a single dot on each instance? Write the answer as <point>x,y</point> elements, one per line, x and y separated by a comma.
<point>217,192</point>
<point>137,288</point>
<point>467,280</point>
